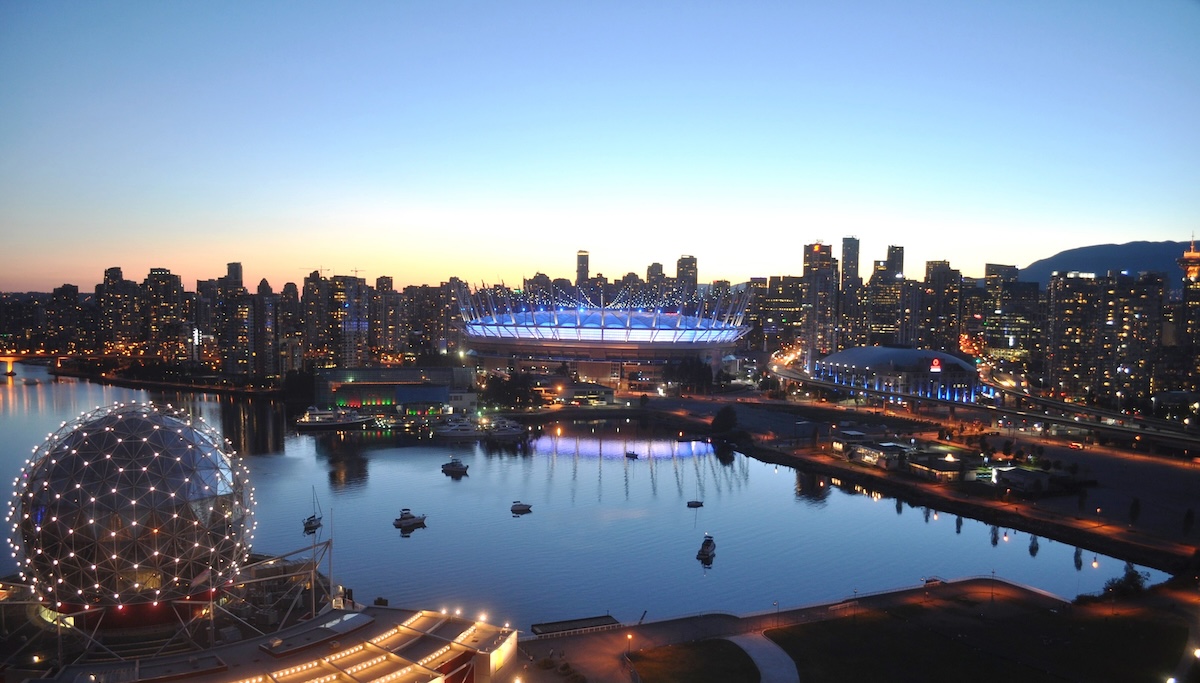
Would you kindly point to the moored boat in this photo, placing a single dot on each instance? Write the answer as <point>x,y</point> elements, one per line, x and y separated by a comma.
<point>315,419</point>
<point>407,520</point>
<point>695,503</point>
<point>455,468</point>
<point>457,428</point>
<point>708,549</point>
<point>313,522</point>
<point>519,508</point>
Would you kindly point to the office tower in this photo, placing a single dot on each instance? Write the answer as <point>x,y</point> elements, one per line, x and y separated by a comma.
<point>582,272</point>
<point>852,321</point>
<point>780,312</point>
<point>1012,320</point>
<point>849,273</point>
<point>819,324</point>
<point>686,275</point>
<point>895,259</point>
<point>995,276</point>
<point>940,307</point>
<point>884,301</point>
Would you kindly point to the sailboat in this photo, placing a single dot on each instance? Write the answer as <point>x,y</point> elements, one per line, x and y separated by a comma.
<point>313,521</point>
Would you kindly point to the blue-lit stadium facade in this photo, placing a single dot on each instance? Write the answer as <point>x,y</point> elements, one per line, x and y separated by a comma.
<point>918,373</point>
<point>619,343</point>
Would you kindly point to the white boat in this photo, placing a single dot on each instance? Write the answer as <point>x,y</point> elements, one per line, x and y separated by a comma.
<point>708,549</point>
<point>455,468</point>
<point>504,428</point>
<point>457,428</point>
<point>313,521</point>
<point>519,508</point>
<point>315,419</point>
<point>407,520</point>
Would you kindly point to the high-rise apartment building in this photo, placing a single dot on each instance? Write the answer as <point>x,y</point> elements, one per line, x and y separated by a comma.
<point>63,321</point>
<point>940,304</point>
<point>819,324</point>
<point>350,305</point>
<point>120,319</point>
<point>163,308</point>
<point>1130,335</point>
<point>1072,333</point>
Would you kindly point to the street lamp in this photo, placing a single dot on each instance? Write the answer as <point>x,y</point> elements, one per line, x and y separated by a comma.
<point>628,643</point>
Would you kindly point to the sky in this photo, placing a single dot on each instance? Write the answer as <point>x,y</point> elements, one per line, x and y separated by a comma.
<point>490,141</point>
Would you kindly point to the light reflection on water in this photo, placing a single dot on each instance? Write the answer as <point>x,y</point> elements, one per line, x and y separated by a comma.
<point>608,534</point>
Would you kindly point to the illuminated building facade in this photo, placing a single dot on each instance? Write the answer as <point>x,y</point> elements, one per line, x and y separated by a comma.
<point>910,372</point>
<point>624,342</point>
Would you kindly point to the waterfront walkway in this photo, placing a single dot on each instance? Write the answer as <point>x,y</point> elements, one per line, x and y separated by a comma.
<point>601,654</point>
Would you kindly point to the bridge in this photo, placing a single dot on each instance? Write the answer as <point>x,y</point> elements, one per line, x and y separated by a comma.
<point>10,359</point>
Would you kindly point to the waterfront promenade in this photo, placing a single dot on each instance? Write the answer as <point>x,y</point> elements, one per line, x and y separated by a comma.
<point>973,615</point>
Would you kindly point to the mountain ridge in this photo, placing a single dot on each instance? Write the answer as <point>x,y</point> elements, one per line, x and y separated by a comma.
<point>1132,257</point>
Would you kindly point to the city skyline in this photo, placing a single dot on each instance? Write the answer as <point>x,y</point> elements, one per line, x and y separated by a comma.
<point>423,142</point>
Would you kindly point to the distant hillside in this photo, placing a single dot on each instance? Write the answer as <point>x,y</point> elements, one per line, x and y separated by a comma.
<point>1134,257</point>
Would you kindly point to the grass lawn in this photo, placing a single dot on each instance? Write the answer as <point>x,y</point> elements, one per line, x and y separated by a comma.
<point>954,641</point>
<point>705,661</point>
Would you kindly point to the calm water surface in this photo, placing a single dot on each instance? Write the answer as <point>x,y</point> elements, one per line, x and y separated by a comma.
<point>607,534</point>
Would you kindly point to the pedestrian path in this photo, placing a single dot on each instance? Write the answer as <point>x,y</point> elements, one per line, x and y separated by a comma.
<point>774,665</point>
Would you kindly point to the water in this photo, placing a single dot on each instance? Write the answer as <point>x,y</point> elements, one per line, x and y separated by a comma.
<point>607,535</point>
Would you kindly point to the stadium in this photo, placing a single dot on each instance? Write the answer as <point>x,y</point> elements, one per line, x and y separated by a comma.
<point>622,344</point>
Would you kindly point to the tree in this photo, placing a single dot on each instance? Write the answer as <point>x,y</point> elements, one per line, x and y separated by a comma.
<point>1130,583</point>
<point>644,401</point>
<point>725,420</point>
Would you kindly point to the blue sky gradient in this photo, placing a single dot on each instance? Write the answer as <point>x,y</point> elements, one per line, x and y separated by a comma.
<point>491,141</point>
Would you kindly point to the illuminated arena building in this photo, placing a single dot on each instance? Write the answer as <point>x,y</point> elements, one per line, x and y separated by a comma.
<point>622,343</point>
<point>916,373</point>
<point>129,509</point>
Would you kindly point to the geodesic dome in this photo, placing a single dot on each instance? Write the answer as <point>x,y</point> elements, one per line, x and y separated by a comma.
<point>130,504</point>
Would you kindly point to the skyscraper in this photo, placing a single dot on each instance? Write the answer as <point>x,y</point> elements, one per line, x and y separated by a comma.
<point>687,275</point>
<point>819,325</point>
<point>582,272</point>
<point>895,259</point>
<point>852,325</point>
<point>940,315</point>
